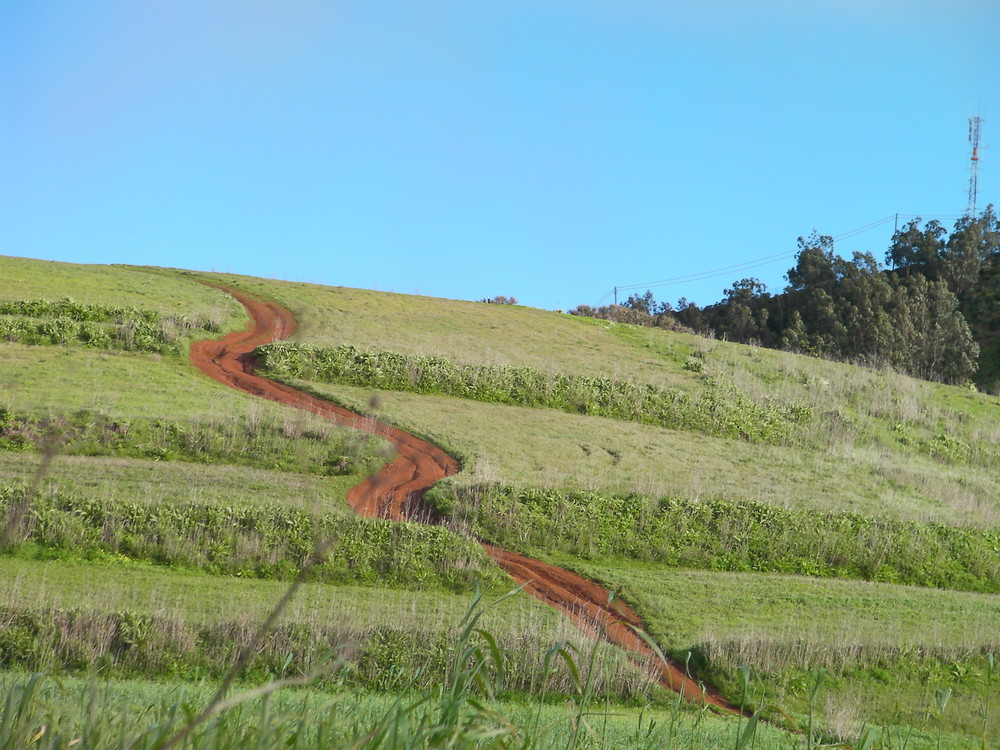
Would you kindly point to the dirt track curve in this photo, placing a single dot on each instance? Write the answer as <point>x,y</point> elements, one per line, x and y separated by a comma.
<point>397,491</point>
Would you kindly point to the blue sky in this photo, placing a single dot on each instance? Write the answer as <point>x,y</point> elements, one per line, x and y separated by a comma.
<point>543,149</point>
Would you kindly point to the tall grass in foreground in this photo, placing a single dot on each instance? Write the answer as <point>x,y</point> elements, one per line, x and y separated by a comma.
<point>461,709</point>
<point>387,652</point>
<point>862,682</point>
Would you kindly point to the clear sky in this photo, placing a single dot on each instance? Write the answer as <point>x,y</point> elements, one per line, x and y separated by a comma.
<point>544,149</point>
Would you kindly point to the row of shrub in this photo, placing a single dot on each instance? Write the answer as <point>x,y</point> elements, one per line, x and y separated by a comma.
<point>247,441</point>
<point>718,410</point>
<point>65,322</point>
<point>267,541</point>
<point>725,535</point>
<point>68,308</point>
<point>381,657</point>
<point>133,335</point>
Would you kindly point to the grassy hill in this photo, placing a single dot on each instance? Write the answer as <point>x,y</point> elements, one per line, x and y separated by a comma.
<point>756,507</point>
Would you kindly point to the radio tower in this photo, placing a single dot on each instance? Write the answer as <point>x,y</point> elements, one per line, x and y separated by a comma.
<point>973,163</point>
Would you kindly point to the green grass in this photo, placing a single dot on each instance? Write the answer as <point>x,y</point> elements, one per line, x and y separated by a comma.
<point>717,410</point>
<point>723,535</point>
<point>155,482</point>
<point>879,441</point>
<point>247,441</point>
<point>878,444</point>
<point>874,408</point>
<point>62,380</point>
<point>198,597</point>
<point>262,456</point>
<point>687,607</point>
<point>253,541</point>
<point>852,404</point>
<point>473,332</point>
<point>103,714</point>
<point>129,286</point>
<point>871,407</point>
<point>54,384</point>
<point>887,648</point>
<point>69,323</point>
<point>141,620</point>
<point>297,717</point>
<point>543,448</point>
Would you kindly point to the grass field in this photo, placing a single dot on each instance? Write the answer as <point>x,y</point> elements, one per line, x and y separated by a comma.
<point>856,404</point>
<point>25,278</point>
<point>537,447</point>
<point>335,720</point>
<point>197,597</point>
<point>149,481</point>
<point>67,615</point>
<point>874,444</point>
<point>48,379</point>
<point>887,649</point>
<point>879,444</point>
<point>474,332</point>
<point>919,450</point>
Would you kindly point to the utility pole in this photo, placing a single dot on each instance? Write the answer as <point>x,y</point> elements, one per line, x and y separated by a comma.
<point>616,296</point>
<point>974,123</point>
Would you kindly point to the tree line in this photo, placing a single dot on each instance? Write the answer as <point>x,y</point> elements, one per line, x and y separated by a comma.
<point>932,310</point>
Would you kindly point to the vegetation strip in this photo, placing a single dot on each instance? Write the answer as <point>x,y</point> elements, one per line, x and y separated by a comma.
<point>399,487</point>
<point>253,541</point>
<point>64,321</point>
<point>720,411</point>
<point>55,713</point>
<point>258,442</point>
<point>133,643</point>
<point>725,535</point>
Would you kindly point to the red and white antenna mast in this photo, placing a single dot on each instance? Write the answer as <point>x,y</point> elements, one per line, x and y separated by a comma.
<point>973,164</point>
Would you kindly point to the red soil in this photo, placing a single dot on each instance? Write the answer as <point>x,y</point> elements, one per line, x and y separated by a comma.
<point>397,489</point>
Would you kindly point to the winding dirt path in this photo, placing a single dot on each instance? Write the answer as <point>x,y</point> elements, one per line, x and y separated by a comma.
<point>397,489</point>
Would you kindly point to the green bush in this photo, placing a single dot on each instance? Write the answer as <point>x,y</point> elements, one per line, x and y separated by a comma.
<point>253,541</point>
<point>386,658</point>
<point>720,410</point>
<point>65,322</point>
<point>726,535</point>
<point>244,441</point>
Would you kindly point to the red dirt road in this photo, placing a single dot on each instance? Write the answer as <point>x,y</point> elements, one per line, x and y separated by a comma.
<point>396,492</point>
<point>392,493</point>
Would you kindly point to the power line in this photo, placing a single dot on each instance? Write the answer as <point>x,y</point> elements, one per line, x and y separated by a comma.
<point>606,295</point>
<point>756,263</point>
<point>696,276</point>
<point>931,216</point>
<point>747,265</point>
<point>862,230</point>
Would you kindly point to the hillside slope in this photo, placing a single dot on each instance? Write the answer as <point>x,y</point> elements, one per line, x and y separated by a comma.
<point>897,455</point>
<point>773,464</point>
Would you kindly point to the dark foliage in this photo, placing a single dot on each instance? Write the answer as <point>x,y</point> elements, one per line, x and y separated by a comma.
<point>934,313</point>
